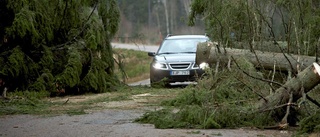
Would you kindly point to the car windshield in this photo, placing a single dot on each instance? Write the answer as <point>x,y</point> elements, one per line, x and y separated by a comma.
<point>172,46</point>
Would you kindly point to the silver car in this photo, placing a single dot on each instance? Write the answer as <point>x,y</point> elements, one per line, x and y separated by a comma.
<point>175,60</point>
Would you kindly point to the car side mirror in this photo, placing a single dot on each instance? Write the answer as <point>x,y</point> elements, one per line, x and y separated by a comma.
<point>151,54</point>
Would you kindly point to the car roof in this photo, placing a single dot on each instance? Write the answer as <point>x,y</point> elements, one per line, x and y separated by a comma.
<point>185,36</point>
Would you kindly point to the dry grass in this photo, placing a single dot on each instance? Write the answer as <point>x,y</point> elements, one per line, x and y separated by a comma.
<point>136,65</point>
<point>124,98</point>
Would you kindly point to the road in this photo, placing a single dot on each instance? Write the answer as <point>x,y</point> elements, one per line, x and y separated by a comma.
<point>110,123</point>
<point>140,47</point>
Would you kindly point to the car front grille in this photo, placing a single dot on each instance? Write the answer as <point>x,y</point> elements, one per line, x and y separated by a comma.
<point>183,65</point>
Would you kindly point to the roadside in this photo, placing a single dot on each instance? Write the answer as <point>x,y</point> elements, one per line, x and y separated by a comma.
<point>135,61</point>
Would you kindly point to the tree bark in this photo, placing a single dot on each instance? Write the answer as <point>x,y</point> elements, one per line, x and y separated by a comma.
<point>209,53</point>
<point>305,81</point>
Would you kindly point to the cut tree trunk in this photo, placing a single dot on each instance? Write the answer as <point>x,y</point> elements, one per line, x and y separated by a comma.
<point>209,53</point>
<point>305,81</point>
<point>288,94</point>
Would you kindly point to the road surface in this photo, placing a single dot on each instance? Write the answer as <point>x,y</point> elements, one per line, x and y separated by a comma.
<point>140,47</point>
<point>110,123</point>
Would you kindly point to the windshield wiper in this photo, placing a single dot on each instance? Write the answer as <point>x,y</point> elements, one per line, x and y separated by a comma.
<point>167,53</point>
<point>188,52</point>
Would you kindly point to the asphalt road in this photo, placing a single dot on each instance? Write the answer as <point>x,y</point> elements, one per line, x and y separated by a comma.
<point>110,123</point>
<point>140,47</point>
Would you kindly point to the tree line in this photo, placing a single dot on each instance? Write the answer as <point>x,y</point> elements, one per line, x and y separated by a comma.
<point>151,20</point>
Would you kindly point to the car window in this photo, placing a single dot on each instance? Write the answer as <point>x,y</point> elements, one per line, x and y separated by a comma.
<point>180,45</point>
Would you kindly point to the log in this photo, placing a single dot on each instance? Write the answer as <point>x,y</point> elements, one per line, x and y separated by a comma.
<point>291,91</point>
<point>305,81</point>
<point>211,54</point>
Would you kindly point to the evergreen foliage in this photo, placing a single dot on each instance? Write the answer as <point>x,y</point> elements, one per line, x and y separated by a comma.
<point>311,123</point>
<point>58,46</point>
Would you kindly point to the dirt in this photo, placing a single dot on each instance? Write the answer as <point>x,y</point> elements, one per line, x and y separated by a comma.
<point>114,120</point>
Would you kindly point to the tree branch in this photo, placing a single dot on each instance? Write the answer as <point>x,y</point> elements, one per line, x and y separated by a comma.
<point>80,32</point>
<point>276,43</point>
<point>279,106</point>
<point>265,80</point>
<point>285,118</point>
<point>253,90</point>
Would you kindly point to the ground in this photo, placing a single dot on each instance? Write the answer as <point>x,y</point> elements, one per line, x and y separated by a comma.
<point>113,120</point>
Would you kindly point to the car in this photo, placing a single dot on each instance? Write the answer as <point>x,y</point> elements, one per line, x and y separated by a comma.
<point>175,60</point>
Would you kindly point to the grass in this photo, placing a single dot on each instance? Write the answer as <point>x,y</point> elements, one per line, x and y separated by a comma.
<point>136,65</point>
<point>24,103</point>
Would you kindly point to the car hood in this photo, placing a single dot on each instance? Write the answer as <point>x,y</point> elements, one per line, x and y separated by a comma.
<point>180,57</point>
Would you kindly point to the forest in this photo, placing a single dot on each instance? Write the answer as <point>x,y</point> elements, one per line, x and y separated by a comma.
<point>149,21</point>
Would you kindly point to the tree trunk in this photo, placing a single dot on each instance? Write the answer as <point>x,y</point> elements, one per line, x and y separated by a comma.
<point>305,81</point>
<point>209,53</point>
<point>286,96</point>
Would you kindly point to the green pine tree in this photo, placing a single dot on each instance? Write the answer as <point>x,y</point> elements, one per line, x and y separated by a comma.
<point>58,45</point>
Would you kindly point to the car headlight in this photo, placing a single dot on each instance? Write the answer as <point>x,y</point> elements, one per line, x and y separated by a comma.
<point>158,65</point>
<point>204,65</point>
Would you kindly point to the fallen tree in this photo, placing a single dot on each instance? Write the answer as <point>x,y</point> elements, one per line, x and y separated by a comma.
<point>231,99</point>
<point>211,54</point>
<point>282,100</point>
<point>62,48</point>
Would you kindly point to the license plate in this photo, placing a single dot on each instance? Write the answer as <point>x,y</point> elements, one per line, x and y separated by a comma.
<point>180,73</point>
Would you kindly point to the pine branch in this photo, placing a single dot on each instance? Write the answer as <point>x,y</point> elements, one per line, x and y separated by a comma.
<point>63,16</point>
<point>80,32</point>
<point>261,79</point>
